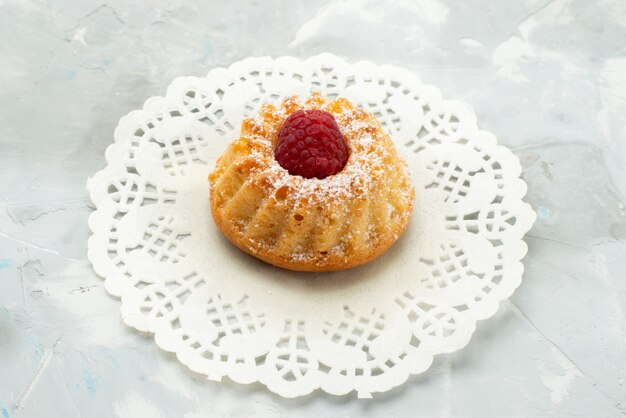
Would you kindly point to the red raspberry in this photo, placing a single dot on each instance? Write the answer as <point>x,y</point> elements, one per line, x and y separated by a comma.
<point>310,145</point>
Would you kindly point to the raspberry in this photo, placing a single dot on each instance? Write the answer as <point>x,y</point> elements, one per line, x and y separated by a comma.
<point>310,145</point>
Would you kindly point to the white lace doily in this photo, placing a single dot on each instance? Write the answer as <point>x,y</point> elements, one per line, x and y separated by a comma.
<point>366,330</point>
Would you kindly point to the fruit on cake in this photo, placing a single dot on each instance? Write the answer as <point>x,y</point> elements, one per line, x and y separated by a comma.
<point>313,185</point>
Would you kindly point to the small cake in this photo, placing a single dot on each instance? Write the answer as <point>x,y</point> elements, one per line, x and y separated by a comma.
<point>312,186</point>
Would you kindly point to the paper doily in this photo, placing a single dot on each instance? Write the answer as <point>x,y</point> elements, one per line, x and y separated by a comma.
<point>366,330</point>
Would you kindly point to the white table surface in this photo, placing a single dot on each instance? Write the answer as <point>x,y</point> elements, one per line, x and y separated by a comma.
<point>547,77</point>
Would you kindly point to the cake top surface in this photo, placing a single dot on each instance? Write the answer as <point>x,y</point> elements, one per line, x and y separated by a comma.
<point>369,150</point>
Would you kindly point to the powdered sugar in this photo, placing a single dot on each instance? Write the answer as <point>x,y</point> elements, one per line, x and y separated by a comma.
<point>365,148</point>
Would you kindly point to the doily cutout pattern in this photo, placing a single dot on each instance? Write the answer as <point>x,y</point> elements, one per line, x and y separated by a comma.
<point>366,330</point>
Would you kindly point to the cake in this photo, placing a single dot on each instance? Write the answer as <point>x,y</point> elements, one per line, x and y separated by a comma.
<point>313,185</point>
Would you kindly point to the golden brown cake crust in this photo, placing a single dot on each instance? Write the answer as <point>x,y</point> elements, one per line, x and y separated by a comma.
<point>336,223</point>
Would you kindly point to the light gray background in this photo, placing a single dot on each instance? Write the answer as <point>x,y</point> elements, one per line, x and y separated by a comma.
<point>547,77</point>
